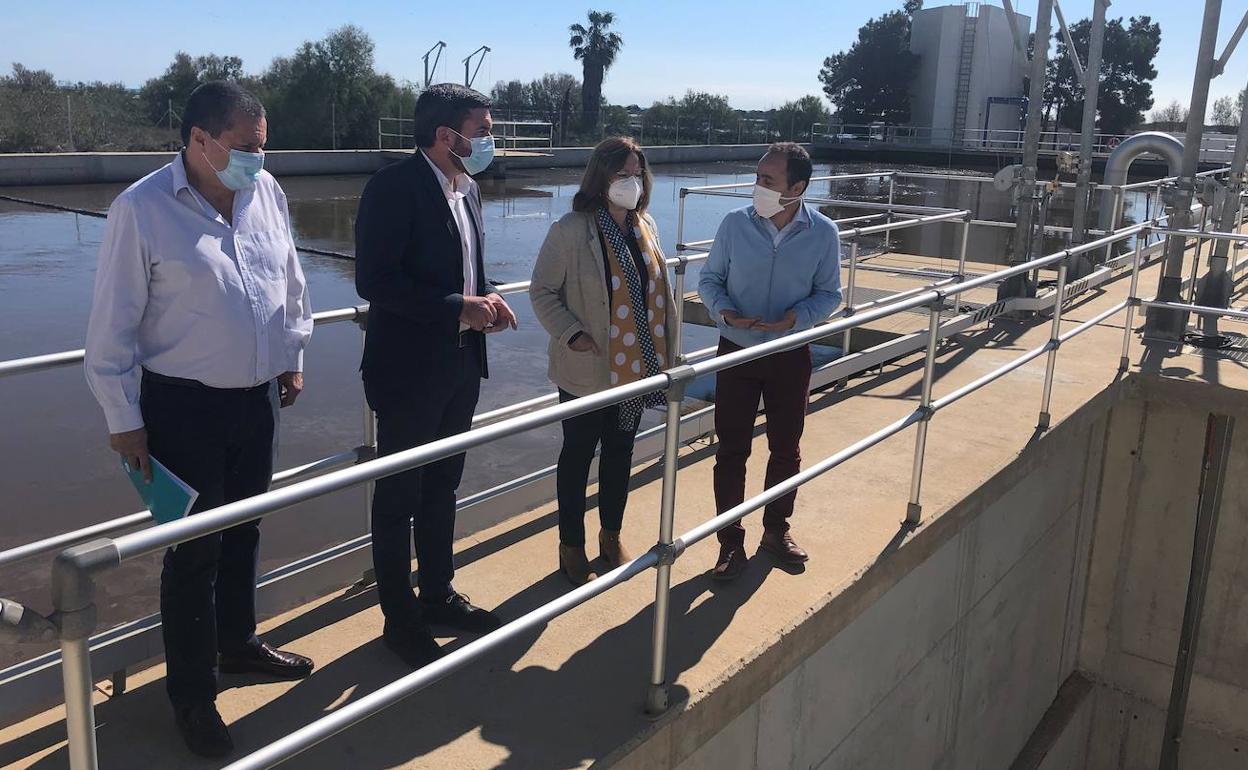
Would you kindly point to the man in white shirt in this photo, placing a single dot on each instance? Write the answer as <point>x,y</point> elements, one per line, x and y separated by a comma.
<point>419,241</point>
<point>197,331</point>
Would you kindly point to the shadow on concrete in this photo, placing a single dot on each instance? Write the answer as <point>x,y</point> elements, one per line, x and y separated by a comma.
<point>533,716</point>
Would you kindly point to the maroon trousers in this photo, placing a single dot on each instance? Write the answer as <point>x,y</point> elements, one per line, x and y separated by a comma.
<point>782,381</point>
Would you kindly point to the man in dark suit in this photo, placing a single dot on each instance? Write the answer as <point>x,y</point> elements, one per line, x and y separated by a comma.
<point>419,242</point>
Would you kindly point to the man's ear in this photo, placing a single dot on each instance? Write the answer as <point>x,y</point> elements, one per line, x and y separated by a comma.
<point>801,189</point>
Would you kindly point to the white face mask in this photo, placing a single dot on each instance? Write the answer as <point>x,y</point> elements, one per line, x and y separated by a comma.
<point>768,203</point>
<point>625,193</point>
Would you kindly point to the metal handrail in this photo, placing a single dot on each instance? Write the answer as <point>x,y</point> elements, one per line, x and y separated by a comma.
<point>76,568</point>
<point>667,551</point>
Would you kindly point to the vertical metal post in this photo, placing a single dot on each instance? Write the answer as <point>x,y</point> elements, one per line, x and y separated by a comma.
<point>1120,196</point>
<point>966,234</point>
<point>849,294</point>
<point>1132,300</point>
<point>678,355</point>
<point>914,511</point>
<point>892,190</point>
<point>1200,244</point>
<point>79,712</point>
<point>1218,432</point>
<point>1031,146</point>
<point>1054,343</point>
<point>656,697</point>
<point>370,450</point>
<point>1091,88</point>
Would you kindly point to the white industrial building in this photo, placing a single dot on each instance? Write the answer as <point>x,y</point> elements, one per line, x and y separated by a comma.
<point>967,59</point>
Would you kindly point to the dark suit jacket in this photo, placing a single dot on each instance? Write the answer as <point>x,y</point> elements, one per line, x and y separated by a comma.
<point>409,265</point>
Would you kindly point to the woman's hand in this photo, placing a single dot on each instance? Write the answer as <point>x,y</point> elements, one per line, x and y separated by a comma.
<point>583,343</point>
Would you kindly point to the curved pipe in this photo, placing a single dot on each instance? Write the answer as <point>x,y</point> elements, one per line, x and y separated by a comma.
<point>1120,160</point>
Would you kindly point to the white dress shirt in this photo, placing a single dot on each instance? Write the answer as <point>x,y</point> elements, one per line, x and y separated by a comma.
<point>183,293</point>
<point>456,192</point>
<point>800,221</point>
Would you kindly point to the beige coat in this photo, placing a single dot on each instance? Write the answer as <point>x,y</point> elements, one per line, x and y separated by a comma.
<point>569,295</point>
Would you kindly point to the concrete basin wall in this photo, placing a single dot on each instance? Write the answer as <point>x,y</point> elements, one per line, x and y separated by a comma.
<point>1070,564</point>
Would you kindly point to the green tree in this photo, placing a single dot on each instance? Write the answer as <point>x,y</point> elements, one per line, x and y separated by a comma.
<point>180,78</point>
<point>328,94</point>
<point>871,81</point>
<point>794,119</point>
<point>1223,113</point>
<point>1127,71</point>
<point>1174,114</point>
<point>596,47</point>
<point>24,79</point>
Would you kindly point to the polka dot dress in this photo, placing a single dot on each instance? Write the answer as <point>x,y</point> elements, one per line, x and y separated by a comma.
<point>634,321</point>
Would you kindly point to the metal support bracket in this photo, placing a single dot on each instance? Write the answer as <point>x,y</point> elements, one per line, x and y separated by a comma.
<point>668,553</point>
<point>678,380</point>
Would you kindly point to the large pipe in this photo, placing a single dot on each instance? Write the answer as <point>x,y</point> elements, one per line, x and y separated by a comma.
<point>1215,289</point>
<point>1165,323</point>
<point>1119,165</point>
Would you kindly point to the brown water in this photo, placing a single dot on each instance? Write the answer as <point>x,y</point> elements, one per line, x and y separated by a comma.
<point>58,473</point>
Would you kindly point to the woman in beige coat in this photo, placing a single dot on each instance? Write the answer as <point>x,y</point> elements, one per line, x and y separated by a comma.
<point>600,289</point>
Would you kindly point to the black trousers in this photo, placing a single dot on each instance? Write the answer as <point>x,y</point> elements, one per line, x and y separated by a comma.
<point>222,443</point>
<point>581,437</point>
<point>419,505</point>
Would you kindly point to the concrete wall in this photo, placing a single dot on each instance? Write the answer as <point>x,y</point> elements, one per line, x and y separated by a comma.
<point>1139,575</point>
<point>124,167</point>
<point>1070,565</point>
<point>946,654</point>
<point>998,70</point>
<point>997,67</point>
<point>936,36</point>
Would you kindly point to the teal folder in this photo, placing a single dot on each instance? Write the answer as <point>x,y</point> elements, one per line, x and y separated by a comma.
<point>168,497</point>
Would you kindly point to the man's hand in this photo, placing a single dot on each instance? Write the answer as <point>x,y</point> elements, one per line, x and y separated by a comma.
<point>783,325</point>
<point>478,312</point>
<point>132,446</point>
<point>504,317</point>
<point>289,386</point>
<point>738,321</point>
<point>585,344</point>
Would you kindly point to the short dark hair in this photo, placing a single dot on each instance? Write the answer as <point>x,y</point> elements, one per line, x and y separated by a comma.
<point>213,105</point>
<point>445,104</point>
<point>604,163</point>
<point>798,167</point>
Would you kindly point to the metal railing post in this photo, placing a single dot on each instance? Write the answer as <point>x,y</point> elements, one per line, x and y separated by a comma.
<point>1119,198</point>
<point>1132,301</point>
<point>678,355</point>
<point>1054,343</point>
<point>73,597</point>
<point>914,510</point>
<point>892,190</point>
<point>966,234</point>
<point>656,696</point>
<point>849,294</point>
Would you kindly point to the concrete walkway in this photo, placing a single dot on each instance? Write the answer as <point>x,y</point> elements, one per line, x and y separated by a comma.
<point>572,694</point>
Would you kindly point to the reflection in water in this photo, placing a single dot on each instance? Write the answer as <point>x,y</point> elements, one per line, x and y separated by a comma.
<point>59,473</point>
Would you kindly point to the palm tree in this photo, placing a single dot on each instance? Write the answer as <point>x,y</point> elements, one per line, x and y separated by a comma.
<point>596,49</point>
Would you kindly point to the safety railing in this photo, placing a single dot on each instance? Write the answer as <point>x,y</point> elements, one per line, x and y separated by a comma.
<point>77,568</point>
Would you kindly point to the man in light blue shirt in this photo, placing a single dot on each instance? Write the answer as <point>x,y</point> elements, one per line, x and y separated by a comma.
<point>774,269</point>
<point>197,331</point>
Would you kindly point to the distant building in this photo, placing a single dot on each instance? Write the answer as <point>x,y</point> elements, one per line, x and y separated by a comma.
<point>967,58</point>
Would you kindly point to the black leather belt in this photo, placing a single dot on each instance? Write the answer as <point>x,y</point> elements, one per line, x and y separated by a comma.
<point>468,337</point>
<point>180,382</point>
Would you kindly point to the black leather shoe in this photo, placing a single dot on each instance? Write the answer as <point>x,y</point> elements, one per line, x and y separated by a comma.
<point>260,658</point>
<point>731,563</point>
<point>781,545</point>
<point>414,645</point>
<point>202,729</point>
<point>456,612</point>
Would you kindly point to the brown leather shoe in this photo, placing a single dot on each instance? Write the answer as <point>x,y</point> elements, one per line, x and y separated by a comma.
<point>781,545</point>
<point>611,550</point>
<point>731,563</point>
<point>573,564</point>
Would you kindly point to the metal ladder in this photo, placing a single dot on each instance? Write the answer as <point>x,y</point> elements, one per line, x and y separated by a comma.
<point>965,65</point>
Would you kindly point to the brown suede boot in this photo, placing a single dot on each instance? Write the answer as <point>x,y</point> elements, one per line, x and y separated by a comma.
<point>611,550</point>
<point>573,564</point>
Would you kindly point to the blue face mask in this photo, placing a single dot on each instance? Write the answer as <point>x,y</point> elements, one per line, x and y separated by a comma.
<point>482,153</point>
<point>242,170</point>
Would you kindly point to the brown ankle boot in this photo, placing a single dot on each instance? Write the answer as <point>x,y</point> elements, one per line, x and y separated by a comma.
<point>573,564</point>
<point>611,550</point>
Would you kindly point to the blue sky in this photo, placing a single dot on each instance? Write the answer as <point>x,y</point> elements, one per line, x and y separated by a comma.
<point>759,54</point>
